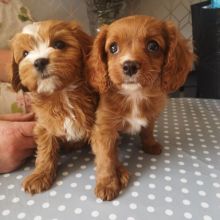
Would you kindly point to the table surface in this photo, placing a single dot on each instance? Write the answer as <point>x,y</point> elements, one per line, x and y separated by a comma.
<point>181,183</point>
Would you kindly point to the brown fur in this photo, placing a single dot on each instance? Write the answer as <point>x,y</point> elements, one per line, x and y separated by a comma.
<point>160,73</point>
<point>71,99</point>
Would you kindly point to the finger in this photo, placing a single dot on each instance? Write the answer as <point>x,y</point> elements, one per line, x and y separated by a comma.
<point>17,117</point>
<point>26,128</point>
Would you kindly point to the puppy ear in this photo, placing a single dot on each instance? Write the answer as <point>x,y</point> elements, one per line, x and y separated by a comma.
<point>84,39</point>
<point>14,75</point>
<point>96,65</point>
<point>179,59</point>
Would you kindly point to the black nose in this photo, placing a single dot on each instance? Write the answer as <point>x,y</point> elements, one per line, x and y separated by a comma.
<point>131,67</point>
<point>41,63</point>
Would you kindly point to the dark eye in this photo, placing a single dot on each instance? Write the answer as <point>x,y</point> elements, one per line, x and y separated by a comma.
<point>59,44</point>
<point>153,46</point>
<point>114,48</point>
<point>25,53</point>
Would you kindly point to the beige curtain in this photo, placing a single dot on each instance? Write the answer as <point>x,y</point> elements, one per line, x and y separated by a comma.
<point>13,16</point>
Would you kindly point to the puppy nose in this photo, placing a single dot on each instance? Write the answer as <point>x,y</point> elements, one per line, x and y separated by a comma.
<point>131,67</point>
<point>41,63</point>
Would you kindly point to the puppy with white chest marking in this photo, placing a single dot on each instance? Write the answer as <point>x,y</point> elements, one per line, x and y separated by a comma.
<point>134,63</point>
<point>49,60</point>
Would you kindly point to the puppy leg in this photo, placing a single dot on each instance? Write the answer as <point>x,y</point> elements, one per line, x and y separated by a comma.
<point>46,163</point>
<point>150,145</point>
<point>111,177</point>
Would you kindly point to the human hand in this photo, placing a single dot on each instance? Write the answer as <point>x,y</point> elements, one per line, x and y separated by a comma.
<point>16,140</point>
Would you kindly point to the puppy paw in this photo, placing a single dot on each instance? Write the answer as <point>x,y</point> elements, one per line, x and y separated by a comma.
<point>37,182</point>
<point>155,149</point>
<point>108,190</point>
<point>123,176</point>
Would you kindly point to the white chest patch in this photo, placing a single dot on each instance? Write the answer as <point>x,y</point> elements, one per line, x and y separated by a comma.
<point>72,132</point>
<point>134,119</point>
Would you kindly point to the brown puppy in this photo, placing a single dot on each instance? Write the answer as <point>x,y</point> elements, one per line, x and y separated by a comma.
<point>134,63</point>
<point>48,60</point>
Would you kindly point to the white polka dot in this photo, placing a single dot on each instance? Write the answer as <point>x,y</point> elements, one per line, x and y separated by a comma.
<point>95,214</point>
<point>6,175</point>
<point>202,193</point>
<point>15,200</point>
<point>21,215</point>
<point>53,193</point>
<point>2,197</point>
<point>139,165</point>
<point>11,186</point>
<point>5,212</point>
<point>78,175</point>
<point>46,205</point>
<point>61,208</point>
<point>134,194</point>
<point>83,167</point>
<point>188,215</point>
<point>19,177</point>
<point>185,190</point>
<point>115,202</point>
<point>92,177</point>
<point>112,217</point>
<point>83,198</point>
<point>38,218</point>
<point>207,217</point>
<point>132,206</point>
<point>199,182</point>
<point>168,188</point>
<point>137,174</point>
<point>136,183</point>
<point>65,173</point>
<point>151,196</point>
<point>186,202</point>
<point>70,165</point>
<point>213,175</point>
<point>216,185</point>
<point>152,176</point>
<point>68,195</point>
<point>73,185</point>
<point>152,185</point>
<point>88,187</point>
<point>78,211</point>
<point>150,209</point>
<point>204,205</point>
<point>183,180</point>
<point>168,199</point>
<point>218,195</point>
<point>98,200</point>
<point>167,178</point>
<point>130,218</point>
<point>59,183</point>
<point>182,171</point>
<point>30,202</point>
<point>197,173</point>
<point>168,212</point>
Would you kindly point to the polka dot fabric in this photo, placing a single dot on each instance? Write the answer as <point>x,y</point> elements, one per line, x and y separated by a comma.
<point>181,183</point>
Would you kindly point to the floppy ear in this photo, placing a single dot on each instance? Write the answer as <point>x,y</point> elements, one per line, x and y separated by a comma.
<point>179,59</point>
<point>84,39</point>
<point>14,74</point>
<point>96,64</point>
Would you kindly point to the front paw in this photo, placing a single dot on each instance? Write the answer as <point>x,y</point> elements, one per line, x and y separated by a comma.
<point>155,148</point>
<point>108,189</point>
<point>37,182</point>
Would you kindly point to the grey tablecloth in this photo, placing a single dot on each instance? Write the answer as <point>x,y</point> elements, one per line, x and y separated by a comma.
<point>182,183</point>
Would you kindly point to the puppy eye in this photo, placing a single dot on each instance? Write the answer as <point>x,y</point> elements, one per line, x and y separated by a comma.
<point>153,46</point>
<point>59,44</point>
<point>25,53</point>
<point>114,48</point>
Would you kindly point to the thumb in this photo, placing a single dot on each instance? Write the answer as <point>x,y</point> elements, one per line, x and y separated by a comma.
<point>26,128</point>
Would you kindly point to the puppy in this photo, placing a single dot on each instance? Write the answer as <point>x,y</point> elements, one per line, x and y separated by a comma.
<point>48,61</point>
<point>134,63</point>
